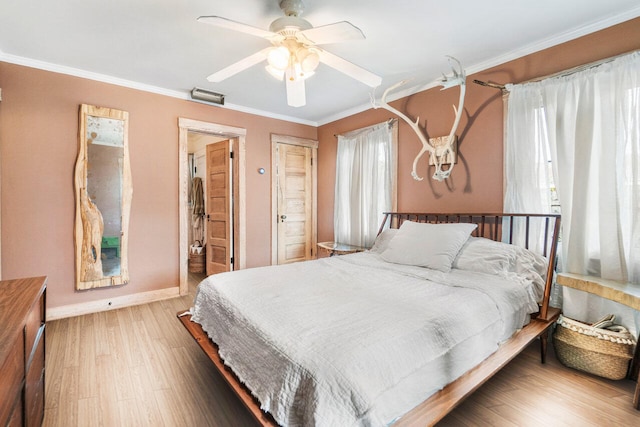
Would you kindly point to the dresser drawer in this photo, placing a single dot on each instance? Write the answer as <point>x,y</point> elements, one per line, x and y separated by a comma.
<point>35,319</point>
<point>22,351</point>
<point>34,387</point>
<point>11,376</point>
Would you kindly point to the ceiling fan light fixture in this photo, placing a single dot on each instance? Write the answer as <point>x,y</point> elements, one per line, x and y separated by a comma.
<point>293,55</point>
<point>278,74</point>
<point>278,58</point>
<point>308,59</point>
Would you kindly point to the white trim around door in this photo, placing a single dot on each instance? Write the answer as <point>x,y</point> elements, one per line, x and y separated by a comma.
<point>189,125</point>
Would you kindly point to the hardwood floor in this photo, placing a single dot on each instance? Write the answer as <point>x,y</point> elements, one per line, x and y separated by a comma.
<point>138,366</point>
<point>135,366</point>
<point>527,393</point>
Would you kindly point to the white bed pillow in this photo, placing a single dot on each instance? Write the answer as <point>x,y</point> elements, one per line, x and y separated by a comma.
<point>383,239</point>
<point>433,246</point>
<point>502,259</point>
<point>485,256</point>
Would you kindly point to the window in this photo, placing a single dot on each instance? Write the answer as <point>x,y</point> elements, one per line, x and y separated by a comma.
<point>365,182</point>
<point>584,128</point>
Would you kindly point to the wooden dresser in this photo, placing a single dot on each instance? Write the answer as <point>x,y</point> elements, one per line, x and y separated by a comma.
<point>22,341</point>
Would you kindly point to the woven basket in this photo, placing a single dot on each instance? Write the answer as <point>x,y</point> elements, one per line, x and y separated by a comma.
<point>196,263</point>
<point>197,258</point>
<point>593,349</point>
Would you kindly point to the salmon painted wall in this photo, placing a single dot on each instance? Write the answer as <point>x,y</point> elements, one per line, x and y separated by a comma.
<point>38,140</point>
<point>476,183</point>
<point>38,137</point>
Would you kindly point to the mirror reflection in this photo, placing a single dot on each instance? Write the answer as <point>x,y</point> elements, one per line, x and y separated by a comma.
<point>105,143</point>
<point>103,193</point>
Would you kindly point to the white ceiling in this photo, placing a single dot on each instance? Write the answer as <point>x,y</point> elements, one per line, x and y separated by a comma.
<point>157,45</point>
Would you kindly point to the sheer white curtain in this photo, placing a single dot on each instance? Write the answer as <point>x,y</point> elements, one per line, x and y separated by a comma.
<point>589,122</point>
<point>528,180</point>
<point>365,178</point>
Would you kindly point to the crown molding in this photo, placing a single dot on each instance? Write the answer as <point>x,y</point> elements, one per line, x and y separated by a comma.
<point>500,59</point>
<point>471,69</point>
<point>103,78</point>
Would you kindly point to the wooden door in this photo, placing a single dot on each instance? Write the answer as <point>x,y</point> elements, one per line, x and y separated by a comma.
<point>294,187</point>
<point>219,208</point>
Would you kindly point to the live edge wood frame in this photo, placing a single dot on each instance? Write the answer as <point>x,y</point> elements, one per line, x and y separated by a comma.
<point>89,224</point>
<point>495,226</point>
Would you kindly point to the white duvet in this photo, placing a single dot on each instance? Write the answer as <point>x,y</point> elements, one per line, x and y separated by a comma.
<point>353,340</point>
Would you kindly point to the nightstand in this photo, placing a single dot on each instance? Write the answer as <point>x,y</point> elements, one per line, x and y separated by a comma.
<point>335,248</point>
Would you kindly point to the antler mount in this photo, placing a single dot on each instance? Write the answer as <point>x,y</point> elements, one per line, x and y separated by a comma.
<point>457,78</point>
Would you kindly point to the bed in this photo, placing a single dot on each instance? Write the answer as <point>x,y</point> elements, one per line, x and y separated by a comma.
<point>399,334</point>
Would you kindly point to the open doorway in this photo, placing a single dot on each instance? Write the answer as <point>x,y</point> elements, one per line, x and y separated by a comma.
<point>224,217</point>
<point>211,207</point>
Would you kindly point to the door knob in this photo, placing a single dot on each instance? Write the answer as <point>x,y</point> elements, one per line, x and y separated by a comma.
<point>283,217</point>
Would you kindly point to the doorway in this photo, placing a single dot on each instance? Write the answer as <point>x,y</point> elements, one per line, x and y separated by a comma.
<point>235,201</point>
<point>294,199</point>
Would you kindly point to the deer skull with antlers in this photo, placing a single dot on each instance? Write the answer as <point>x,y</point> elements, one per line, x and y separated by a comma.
<point>456,79</point>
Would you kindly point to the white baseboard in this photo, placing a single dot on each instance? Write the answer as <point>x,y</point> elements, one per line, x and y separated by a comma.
<point>72,310</point>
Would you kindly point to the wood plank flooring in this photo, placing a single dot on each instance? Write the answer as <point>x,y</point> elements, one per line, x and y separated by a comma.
<point>138,366</point>
<point>135,366</point>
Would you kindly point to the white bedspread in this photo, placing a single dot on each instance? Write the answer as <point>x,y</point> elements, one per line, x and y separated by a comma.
<point>353,340</point>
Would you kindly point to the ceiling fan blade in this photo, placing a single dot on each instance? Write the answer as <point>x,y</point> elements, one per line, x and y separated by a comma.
<point>295,91</point>
<point>331,33</point>
<point>349,68</point>
<point>221,22</point>
<point>241,65</point>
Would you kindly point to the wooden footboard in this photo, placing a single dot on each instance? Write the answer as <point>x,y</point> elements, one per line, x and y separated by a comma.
<point>428,412</point>
<point>441,403</point>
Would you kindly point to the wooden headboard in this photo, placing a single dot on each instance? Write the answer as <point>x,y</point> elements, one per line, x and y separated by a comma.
<point>537,232</point>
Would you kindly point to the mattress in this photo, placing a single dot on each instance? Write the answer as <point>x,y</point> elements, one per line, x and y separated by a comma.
<point>353,340</point>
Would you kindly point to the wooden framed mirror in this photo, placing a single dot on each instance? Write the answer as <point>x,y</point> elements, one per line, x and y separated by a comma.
<point>103,193</point>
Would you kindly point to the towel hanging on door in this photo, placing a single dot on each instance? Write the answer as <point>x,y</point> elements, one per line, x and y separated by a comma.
<point>197,197</point>
<point>197,203</point>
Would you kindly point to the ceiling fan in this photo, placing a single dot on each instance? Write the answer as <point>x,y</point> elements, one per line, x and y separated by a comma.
<point>294,54</point>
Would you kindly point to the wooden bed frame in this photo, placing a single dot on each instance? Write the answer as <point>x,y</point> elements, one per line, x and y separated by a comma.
<point>497,226</point>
